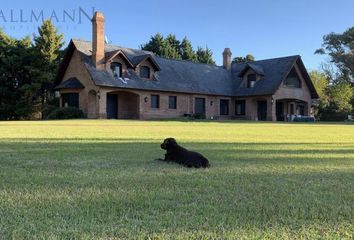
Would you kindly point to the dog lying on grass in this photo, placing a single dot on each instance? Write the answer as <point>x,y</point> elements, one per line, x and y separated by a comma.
<point>176,153</point>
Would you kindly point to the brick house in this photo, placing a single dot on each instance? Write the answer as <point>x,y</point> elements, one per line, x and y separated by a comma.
<point>108,81</point>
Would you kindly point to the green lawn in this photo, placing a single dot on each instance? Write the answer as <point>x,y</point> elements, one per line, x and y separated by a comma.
<point>98,180</point>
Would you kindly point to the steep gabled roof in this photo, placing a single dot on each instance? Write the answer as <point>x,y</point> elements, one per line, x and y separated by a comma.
<point>139,59</point>
<point>112,54</point>
<point>173,76</point>
<point>188,77</point>
<point>274,72</point>
<point>71,83</point>
<point>256,68</point>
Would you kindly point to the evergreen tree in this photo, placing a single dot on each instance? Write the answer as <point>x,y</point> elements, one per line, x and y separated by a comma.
<point>156,45</point>
<point>171,47</point>
<point>175,45</point>
<point>187,51</point>
<point>205,56</point>
<point>47,49</point>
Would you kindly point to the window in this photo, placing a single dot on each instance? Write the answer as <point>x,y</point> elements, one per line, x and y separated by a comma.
<point>116,69</point>
<point>144,72</point>
<point>251,80</point>
<point>172,102</point>
<point>155,101</point>
<point>240,107</point>
<point>70,100</point>
<point>224,107</point>
<point>293,80</point>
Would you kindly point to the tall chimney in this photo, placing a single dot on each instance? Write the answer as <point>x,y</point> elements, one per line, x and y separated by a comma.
<point>98,40</point>
<point>227,58</point>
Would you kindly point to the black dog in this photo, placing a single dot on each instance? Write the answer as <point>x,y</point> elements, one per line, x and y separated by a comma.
<point>180,155</point>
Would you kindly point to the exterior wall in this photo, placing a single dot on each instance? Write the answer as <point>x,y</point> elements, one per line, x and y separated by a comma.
<point>302,94</point>
<point>78,70</point>
<point>185,104</point>
<point>251,111</point>
<point>128,105</point>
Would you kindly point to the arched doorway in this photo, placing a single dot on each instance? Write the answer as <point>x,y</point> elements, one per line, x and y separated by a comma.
<point>92,104</point>
<point>122,105</point>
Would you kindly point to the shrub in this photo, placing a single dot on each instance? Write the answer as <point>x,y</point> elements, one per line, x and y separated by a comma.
<point>66,113</point>
<point>198,116</point>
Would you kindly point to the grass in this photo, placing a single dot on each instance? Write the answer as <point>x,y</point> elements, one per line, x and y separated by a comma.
<point>98,180</point>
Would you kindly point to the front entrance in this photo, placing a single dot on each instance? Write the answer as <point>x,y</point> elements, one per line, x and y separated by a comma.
<point>280,111</point>
<point>112,106</point>
<point>199,106</point>
<point>122,105</point>
<point>262,110</point>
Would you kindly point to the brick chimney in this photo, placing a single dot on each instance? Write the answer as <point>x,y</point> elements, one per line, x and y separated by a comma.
<point>227,58</point>
<point>98,40</point>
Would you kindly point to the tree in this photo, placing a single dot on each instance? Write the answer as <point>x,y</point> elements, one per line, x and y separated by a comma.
<point>171,47</point>
<point>187,51</point>
<point>48,54</point>
<point>156,45</point>
<point>47,48</point>
<point>26,69</point>
<point>321,83</point>
<point>339,70</point>
<point>205,56</point>
<point>16,93</point>
<point>175,45</point>
<point>341,95</point>
<point>247,58</point>
<point>340,48</point>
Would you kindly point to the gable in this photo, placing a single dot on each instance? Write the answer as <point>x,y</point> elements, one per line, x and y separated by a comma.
<point>301,92</point>
<point>119,56</point>
<point>76,69</point>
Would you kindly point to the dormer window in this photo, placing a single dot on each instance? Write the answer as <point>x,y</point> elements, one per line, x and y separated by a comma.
<point>116,69</point>
<point>293,80</point>
<point>251,80</point>
<point>145,72</point>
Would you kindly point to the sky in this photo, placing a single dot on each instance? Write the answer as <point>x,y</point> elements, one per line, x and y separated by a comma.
<point>263,28</point>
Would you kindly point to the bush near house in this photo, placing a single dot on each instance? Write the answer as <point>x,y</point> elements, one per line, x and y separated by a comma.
<point>66,113</point>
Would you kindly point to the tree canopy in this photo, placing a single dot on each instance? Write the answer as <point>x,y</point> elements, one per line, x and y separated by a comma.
<point>335,84</point>
<point>247,58</point>
<point>27,67</point>
<point>171,47</point>
<point>340,48</point>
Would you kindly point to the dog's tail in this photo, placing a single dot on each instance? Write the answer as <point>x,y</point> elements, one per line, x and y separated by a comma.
<point>205,163</point>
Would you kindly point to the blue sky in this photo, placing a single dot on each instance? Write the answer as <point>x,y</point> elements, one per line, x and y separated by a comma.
<point>264,28</point>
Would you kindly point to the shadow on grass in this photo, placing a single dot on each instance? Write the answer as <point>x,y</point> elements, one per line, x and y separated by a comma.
<point>98,187</point>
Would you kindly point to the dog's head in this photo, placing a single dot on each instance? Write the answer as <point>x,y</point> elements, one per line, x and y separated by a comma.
<point>168,143</point>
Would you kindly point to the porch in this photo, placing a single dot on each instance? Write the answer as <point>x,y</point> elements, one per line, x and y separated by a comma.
<point>113,105</point>
<point>288,109</point>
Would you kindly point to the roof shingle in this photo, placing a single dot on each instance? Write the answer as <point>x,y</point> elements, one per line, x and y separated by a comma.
<point>189,77</point>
